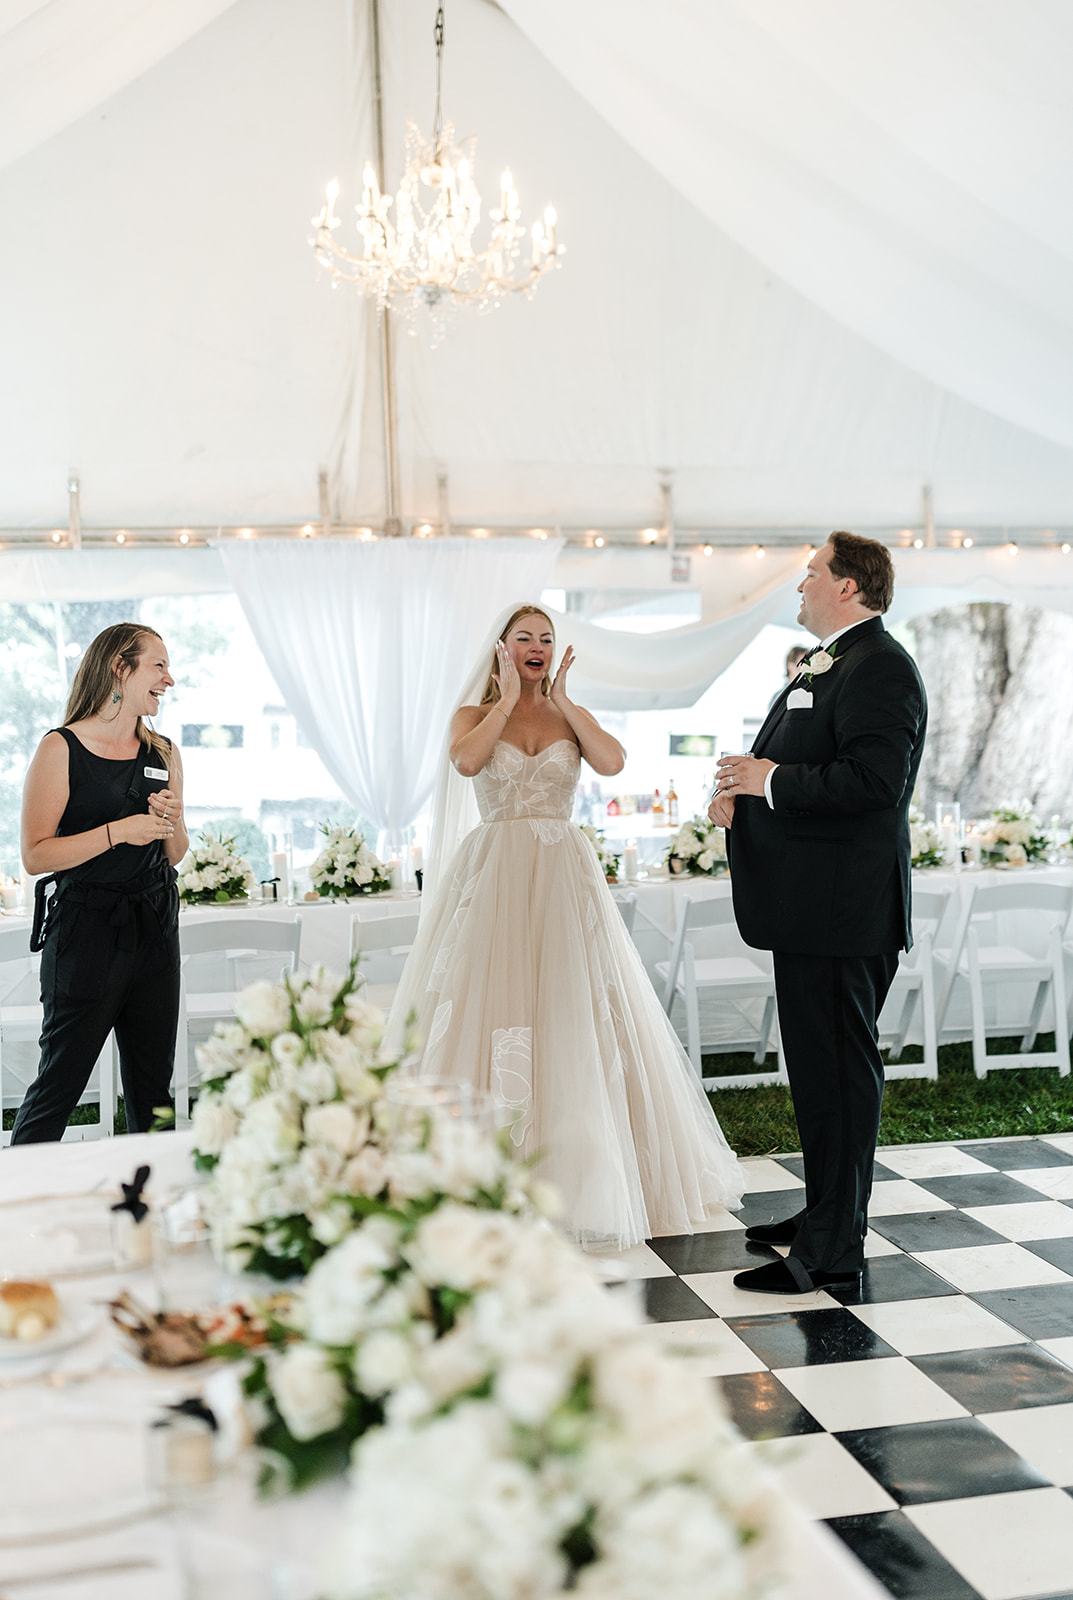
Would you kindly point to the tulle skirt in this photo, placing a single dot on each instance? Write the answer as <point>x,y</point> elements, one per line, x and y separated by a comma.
<point>525,982</point>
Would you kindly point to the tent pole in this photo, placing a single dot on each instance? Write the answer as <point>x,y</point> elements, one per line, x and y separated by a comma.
<point>392,521</point>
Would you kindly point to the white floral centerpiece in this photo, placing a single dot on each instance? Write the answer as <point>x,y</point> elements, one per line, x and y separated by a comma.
<point>699,848</point>
<point>541,1444</point>
<point>389,1302</point>
<point>346,866</point>
<point>286,1120</point>
<point>925,845</point>
<point>1012,836</point>
<point>610,860</point>
<point>213,872</point>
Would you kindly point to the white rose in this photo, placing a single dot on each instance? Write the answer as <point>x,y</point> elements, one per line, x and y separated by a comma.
<point>706,861</point>
<point>529,1391</point>
<point>288,1048</point>
<point>821,662</point>
<point>272,1126</point>
<point>310,1394</point>
<point>314,1081</point>
<point>264,1009</point>
<point>1016,855</point>
<point>384,1361</point>
<point>214,1123</point>
<point>336,1125</point>
<point>332,1223</point>
<point>460,1248</point>
<point>343,1283</point>
<point>366,1173</point>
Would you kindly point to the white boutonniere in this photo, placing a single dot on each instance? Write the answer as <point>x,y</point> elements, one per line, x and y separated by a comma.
<point>821,662</point>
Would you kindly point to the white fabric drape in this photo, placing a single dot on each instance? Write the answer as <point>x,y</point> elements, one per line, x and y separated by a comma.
<point>369,644</point>
<point>892,161</point>
<point>60,58</point>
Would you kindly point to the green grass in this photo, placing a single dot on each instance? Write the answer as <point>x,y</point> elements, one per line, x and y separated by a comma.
<point>760,1122</point>
<point>1029,1100</point>
<point>82,1117</point>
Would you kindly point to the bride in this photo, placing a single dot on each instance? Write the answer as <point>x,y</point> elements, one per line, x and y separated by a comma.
<point>523,978</point>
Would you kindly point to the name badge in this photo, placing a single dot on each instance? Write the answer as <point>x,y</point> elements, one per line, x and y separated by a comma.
<point>799,700</point>
<point>161,772</point>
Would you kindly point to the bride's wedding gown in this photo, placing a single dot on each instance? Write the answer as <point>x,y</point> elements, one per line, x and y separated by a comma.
<point>524,981</point>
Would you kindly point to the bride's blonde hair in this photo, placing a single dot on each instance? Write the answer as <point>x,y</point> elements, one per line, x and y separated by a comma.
<point>491,689</point>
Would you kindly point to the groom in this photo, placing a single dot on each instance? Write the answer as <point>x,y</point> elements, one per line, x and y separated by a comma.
<point>818,844</point>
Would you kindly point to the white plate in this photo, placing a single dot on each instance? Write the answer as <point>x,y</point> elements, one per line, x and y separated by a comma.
<point>65,1236</point>
<point>73,1326</point>
<point>64,1476</point>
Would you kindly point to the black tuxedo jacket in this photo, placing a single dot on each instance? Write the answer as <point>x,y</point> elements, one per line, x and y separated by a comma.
<point>827,871</point>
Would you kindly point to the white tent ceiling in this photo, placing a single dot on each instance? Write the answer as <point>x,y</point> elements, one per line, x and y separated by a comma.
<point>818,255</point>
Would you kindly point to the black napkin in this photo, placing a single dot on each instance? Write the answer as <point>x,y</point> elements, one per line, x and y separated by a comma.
<point>132,1195</point>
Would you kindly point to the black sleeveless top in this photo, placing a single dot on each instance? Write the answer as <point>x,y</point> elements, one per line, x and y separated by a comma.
<point>101,791</point>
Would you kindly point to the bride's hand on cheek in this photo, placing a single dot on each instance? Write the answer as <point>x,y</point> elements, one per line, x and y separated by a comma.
<point>507,678</point>
<point>557,694</point>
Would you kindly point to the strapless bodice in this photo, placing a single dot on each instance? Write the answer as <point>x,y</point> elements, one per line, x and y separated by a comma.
<point>513,785</point>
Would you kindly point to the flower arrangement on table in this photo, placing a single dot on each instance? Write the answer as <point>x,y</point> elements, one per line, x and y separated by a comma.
<point>610,859</point>
<point>925,845</point>
<point>212,872</point>
<point>544,1444</point>
<point>1012,836</point>
<point>286,1120</point>
<point>698,848</point>
<point>515,1428</point>
<point>346,866</point>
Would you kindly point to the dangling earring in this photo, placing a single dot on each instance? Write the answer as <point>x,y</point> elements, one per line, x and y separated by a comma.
<point>116,697</point>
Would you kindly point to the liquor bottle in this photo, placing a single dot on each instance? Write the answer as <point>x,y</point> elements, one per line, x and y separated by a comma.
<point>658,813</point>
<point>672,806</point>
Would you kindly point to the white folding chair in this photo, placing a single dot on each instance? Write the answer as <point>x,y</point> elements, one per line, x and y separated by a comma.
<point>914,988</point>
<point>991,965</point>
<point>734,978</point>
<point>627,906</point>
<point>20,1023</point>
<point>382,943</point>
<point>235,938</point>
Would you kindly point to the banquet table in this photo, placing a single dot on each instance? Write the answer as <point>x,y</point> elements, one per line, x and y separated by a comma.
<point>120,1544</point>
<point>659,897</point>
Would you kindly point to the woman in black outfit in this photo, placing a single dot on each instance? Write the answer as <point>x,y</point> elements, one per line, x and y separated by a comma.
<point>102,815</point>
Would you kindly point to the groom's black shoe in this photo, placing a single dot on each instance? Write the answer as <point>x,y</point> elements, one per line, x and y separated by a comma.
<point>784,1232</point>
<point>776,1277</point>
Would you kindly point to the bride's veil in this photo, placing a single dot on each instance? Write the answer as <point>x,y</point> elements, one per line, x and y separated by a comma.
<point>454,803</point>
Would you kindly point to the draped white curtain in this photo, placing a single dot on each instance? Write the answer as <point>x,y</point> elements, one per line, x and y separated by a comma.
<point>896,162</point>
<point>370,644</point>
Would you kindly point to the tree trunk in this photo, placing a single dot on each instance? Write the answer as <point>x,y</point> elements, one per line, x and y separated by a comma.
<point>1000,722</point>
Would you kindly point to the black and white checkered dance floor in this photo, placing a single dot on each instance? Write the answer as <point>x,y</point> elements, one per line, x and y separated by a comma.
<point>929,1419</point>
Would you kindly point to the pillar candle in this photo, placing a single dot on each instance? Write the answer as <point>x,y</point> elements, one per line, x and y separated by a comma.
<point>279,870</point>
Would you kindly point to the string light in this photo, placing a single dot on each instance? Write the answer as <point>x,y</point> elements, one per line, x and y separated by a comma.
<point>365,534</point>
<point>760,552</point>
<point>599,541</point>
<point>57,537</point>
<point>649,535</point>
<point>1011,549</point>
<point>707,549</point>
<point>245,533</point>
<point>966,543</point>
<point>307,531</point>
<point>539,533</point>
<point>184,537</point>
<point>121,537</point>
<point>918,544</point>
<point>1065,549</point>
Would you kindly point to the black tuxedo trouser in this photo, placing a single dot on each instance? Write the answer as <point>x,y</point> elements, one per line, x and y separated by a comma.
<point>828,1008</point>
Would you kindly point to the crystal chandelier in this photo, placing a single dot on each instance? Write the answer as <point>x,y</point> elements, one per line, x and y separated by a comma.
<point>428,257</point>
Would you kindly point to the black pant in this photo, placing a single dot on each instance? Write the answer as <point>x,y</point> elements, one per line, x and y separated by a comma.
<point>108,962</point>
<point>828,1009</point>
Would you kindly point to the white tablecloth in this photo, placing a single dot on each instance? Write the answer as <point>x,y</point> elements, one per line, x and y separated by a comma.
<point>279,1543</point>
